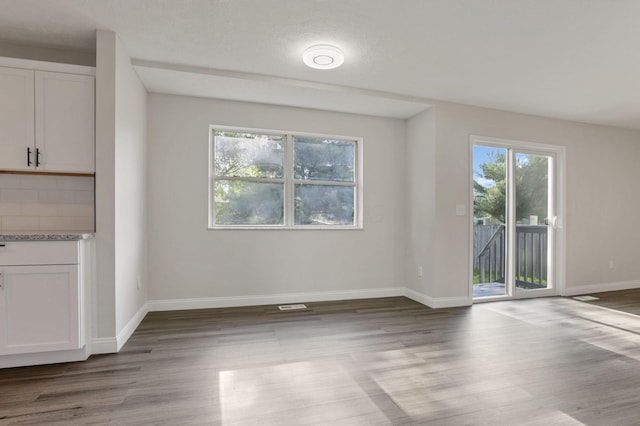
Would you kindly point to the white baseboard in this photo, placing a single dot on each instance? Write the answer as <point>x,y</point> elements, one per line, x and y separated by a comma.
<point>418,297</point>
<point>40,358</point>
<point>130,327</point>
<point>104,345</point>
<point>436,302</point>
<point>599,288</point>
<point>270,299</point>
<point>107,345</point>
<point>113,345</point>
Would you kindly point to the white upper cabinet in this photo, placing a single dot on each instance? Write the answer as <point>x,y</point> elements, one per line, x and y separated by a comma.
<point>47,121</point>
<point>16,117</point>
<point>64,122</point>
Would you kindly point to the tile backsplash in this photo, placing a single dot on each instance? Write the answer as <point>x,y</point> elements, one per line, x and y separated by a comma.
<point>46,203</point>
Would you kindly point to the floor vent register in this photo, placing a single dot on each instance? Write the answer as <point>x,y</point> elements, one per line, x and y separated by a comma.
<point>586,298</point>
<point>292,307</point>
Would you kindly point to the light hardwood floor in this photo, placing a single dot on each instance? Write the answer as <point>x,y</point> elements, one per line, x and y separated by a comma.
<point>390,361</point>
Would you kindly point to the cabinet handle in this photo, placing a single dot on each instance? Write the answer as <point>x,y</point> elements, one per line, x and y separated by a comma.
<point>37,157</point>
<point>2,245</point>
<point>29,157</point>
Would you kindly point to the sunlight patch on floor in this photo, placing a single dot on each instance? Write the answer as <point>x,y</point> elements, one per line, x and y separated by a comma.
<point>553,418</point>
<point>322,391</point>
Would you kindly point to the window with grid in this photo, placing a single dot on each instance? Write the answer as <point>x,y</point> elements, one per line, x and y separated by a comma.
<point>264,179</point>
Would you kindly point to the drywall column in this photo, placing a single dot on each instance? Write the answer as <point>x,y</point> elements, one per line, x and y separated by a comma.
<point>130,196</point>
<point>421,175</point>
<point>121,237</point>
<point>104,329</point>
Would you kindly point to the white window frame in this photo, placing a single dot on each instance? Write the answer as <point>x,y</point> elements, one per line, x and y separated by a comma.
<point>289,180</point>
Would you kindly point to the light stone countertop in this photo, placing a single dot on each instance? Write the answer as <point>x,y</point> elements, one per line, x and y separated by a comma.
<point>45,235</point>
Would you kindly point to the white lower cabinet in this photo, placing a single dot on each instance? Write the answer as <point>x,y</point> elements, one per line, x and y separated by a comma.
<point>40,309</point>
<point>41,295</point>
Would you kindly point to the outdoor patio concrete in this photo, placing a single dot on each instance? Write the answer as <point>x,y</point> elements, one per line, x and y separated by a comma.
<point>488,290</point>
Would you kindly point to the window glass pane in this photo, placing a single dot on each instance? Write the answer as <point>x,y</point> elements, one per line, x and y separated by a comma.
<point>248,155</point>
<point>324,159</point>
<point>324,205</point>
<point>248,203</point>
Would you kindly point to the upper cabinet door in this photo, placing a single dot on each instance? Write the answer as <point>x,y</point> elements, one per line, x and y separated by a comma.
<point>65,122</point>
<point>16,118</point>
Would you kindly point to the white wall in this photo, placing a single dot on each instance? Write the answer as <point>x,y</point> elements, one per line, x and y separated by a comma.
<point>130,193</point>
<point>602,199</point>
<point>421,189</point>
<point>120,194</point>
<point>416,172</point>
<point>188,261</point>
<point>104,309</point>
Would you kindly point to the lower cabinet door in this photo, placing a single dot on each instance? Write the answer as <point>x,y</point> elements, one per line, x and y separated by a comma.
<point>39,308</point>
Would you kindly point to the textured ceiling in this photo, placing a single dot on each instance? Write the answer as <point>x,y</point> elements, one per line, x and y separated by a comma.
<point>570,59</point>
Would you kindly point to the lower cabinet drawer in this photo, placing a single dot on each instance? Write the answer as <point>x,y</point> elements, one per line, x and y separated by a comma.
<point>38,253</point>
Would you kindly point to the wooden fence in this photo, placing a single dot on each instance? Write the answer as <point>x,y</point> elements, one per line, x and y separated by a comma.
<point>481,236</point>
<point>489,243</point>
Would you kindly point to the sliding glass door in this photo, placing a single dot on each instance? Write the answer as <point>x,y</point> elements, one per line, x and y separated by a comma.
<point>514,220</point>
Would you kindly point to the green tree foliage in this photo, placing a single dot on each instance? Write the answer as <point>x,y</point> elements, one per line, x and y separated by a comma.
<point>324,205</point>
<point>240,157</point>
<point>248,203</point>
<point>247,155</point>
<point>531,187</point>
<point>323,160</point>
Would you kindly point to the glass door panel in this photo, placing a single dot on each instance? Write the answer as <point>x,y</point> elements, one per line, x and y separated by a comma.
<point>533,214</point>
<point>489,221</point>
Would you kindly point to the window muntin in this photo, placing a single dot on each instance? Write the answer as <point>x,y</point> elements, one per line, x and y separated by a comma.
<point>260,179</point>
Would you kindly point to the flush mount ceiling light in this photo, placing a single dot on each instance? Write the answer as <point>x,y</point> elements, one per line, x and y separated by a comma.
<point>323,57</point>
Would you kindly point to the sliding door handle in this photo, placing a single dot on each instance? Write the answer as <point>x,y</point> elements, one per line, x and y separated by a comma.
<point>553,222</point>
